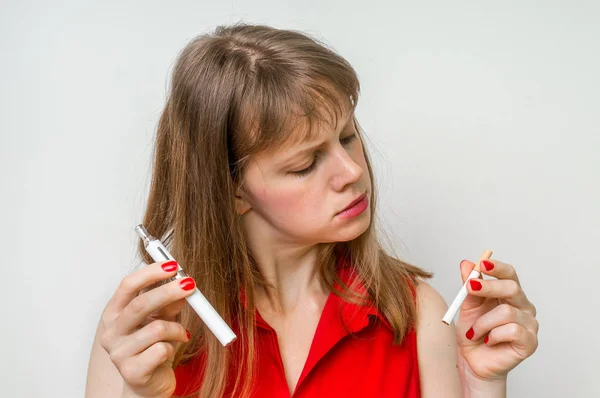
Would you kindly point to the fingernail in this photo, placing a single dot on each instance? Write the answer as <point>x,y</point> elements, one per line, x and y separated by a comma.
<point>488,265</point>
<point>461,263</point>
<point>487,338</point>
<point>169,266</point>
<point>188,334</point>
<point>187,284</point>
<point>475,284</point>
<point>470,333</point>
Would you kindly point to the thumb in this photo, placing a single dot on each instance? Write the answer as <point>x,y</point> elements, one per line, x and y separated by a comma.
<point>166,313</point>
<point>170,312</point>
<point>466,267</point>
<point>471,301</point>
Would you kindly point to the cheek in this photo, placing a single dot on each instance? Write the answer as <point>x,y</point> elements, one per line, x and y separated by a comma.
<point>292,210</point>
<point>359,156</point>
<point>293,203</point>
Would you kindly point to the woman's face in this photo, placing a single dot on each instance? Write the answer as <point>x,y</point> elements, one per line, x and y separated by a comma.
<point>296,193</point>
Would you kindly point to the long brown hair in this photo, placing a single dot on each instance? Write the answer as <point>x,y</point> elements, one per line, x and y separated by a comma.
<point>235,92</point>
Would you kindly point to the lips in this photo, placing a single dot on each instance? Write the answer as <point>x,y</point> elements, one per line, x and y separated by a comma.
<point>355,201</point>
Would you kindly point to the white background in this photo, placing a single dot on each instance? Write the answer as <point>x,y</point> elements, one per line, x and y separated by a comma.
<point>482,117</point>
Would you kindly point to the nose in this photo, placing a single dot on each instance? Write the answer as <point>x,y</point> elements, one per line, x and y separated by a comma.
<point>348,171</point>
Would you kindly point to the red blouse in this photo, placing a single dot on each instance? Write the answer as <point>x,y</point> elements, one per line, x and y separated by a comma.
<point>351,356</point>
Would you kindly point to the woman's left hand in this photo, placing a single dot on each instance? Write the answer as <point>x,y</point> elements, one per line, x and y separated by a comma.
<point>496,329</point>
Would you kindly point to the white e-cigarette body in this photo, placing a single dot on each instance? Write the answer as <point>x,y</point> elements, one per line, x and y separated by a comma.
<point>197,301</point>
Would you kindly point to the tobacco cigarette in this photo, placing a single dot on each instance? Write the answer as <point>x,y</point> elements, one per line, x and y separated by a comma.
<point>462,293</point>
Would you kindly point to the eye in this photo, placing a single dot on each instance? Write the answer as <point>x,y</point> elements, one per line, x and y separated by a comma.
<point>349,139</point>
<point>307,170</point>
<point>302,173</point>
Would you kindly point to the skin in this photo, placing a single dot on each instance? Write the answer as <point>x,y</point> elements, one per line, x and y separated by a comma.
<point>285,217</point>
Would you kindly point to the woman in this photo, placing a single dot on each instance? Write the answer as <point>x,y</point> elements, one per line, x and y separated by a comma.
<point>258,157</point>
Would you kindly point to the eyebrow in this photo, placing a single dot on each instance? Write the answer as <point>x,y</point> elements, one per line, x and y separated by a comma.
<point>317,145</point>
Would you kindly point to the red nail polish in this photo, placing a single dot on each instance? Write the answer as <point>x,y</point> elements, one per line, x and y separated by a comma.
<point>487,338</point>
<point>169,266</point>
<point>188,334</point>
<point>470,333</point>
<point>187,284</point>
<point>475,284</point>
<point>488,265</point>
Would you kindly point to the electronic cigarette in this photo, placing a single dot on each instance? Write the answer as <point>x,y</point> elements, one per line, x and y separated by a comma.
<point>199,303</point>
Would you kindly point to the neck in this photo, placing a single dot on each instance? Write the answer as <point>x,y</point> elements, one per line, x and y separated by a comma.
<point>290,268</point>
<point>293,275</point>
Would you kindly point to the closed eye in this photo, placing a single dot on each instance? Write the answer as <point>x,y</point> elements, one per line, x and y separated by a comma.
<point>348,139</point>
<point>302,173</point>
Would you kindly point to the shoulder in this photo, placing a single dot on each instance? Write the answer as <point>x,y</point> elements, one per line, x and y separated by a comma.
<point>432,334</point>
<point>436,344</point>
<point>430,310</point>
<point>429,301</point>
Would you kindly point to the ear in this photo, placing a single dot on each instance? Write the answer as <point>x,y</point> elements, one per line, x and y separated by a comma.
<point>241,203</point>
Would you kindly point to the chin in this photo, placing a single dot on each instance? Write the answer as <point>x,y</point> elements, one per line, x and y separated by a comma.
<point>351,230</point>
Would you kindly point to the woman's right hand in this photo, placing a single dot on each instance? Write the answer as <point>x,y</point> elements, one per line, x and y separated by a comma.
<point>139,330</point>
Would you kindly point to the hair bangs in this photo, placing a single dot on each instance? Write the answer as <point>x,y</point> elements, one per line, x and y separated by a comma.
<point>288,114</point>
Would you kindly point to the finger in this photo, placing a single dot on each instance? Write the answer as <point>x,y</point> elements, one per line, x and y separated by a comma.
<point>505,289</point>
<point>132,284</point>
<point>502,314</point>
<point>499,270</point>
<point>150,302</point>
<point>466,267</point>
<point>139,341</point>
<point>137,370</point>
<point>502,270</point>
<point>523,340</point>
<point>170,311</point>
